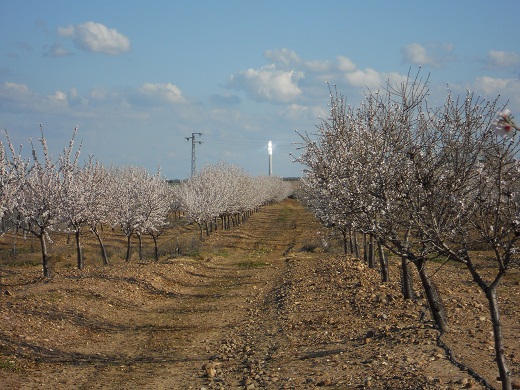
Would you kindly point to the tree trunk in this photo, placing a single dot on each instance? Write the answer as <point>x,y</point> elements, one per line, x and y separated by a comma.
<point>79,251</point>
<point>155,247</point>
<point>371,252</point>
<point>47,272</point>
<point>385,276</point>
<point>351,241</point>
<point>128,248</point>
<point>102,245</point>
<point>140,240</point>
<point>505,374</point>
<point>345,238</point>
<point>365,248</point>
<point>435,303</point>
<point>406,279</point>
<point>356,245</point>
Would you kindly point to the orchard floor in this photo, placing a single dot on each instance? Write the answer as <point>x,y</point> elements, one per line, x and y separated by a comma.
<point>262,307</point>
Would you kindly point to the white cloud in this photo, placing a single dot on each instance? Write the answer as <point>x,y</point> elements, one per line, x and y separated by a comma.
<point>491,87</point>
<point>435,54</point>
<point>56,50</point>
<point>285,57</point>
<point>318,66</point>
<point>162,93</point>
<point>96,37</point>
<point>299,112</point>
<point>416,54</point>
<point>364,78</point>
<point>372,79</point>
<point>502,59</point>
<point>345,64</point>
<point>16,97</point>
<point>268,83</point>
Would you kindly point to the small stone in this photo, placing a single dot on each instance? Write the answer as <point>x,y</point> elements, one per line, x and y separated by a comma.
<point>211,372</point>
<point>324,382</point>
<point>210,369</point>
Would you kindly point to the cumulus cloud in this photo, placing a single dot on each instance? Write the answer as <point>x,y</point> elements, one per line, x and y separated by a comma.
<point>435,54</point>
<point>502,60</point>
<point>56,50</point>
<point>491,87</point>
<point>345,64</point>
<point>372,79</point>
<point>298,112</point>
<point>14,92</point>
<point>96,37</point>
<point>16,97</point>
<point>268,83</point>
<point>318,66</point>
<point>283,57</point>
<point>162,93</point>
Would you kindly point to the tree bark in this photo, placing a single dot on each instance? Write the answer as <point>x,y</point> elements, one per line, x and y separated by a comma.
<point>156,249</point>
<point>102,245</point>
<point>491,296</point>
<point>47,272</point>
<point>406,279</point>
<point>371,252</point>
<point>365,248</point>
<point>345,238</point>
<point>79,251</point>
<point>505,374</point>
<point>350,241</point>
<point>356,245</point>
<point>128,248</point>
<point>385,276</point>
<point>140,240</point>
<point>435,303</point>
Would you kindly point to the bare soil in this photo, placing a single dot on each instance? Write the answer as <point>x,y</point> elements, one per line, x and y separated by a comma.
<point>262,306</point>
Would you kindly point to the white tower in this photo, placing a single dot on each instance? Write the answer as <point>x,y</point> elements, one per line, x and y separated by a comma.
<point>270,151</point>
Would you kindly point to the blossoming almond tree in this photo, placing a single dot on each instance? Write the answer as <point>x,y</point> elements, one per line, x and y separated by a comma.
<point>478,177</point>
<point>38,202</point>
<point>84,199</point>
<point>157,203</point>
<point>13,170</point>
<point>429,183</point>
<point>127,192</point>
<point>227,192</point>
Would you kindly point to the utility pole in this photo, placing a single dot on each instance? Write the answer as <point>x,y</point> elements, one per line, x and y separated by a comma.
<point>193,142</point>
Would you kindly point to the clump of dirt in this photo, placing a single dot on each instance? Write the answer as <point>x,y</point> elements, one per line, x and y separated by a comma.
<point>256,309</point>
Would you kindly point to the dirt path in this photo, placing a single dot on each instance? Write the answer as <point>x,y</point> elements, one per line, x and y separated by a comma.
<point>153,325</point>
<point>260,309</point>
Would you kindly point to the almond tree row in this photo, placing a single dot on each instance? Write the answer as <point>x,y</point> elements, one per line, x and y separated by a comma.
<point>41,195</point>
<point>228,193</point>
<point>424,182</point>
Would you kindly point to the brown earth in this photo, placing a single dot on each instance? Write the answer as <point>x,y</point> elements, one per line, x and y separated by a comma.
<point>261,306</point>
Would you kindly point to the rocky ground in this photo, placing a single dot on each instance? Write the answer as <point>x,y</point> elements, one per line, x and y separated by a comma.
<point>260,307</point>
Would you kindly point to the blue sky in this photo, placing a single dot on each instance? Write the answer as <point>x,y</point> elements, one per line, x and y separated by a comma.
<point>138,77</point>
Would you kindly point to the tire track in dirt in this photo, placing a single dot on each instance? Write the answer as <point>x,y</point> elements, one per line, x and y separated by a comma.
<point>254,350</point>
<point>154,326</point>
